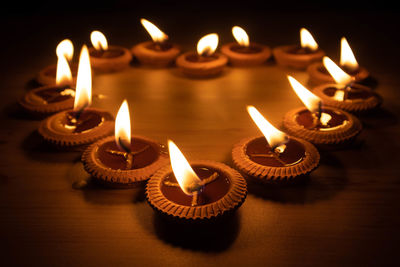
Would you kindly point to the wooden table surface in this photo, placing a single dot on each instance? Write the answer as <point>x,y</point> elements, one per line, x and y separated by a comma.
<point>347,214</point>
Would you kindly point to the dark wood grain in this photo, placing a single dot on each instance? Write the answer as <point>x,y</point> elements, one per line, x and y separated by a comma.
<point>346,214</point>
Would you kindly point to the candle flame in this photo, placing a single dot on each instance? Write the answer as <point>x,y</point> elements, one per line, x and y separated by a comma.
<point>65,49</point>
<point>63,74</point>
<point>99,41</point>
<point>347,58</point>
<point>187,179</point>
<point>336,72</point>
<point>274,137</point>
<point>207,44</point>
<point>83,95</point>
<point>307,41</point>
<point>241,36</point>
<point>311,101</point>
<point>156,34</point>
<point>123,127</point>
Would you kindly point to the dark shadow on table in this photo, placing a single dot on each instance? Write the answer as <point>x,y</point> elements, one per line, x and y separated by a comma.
<point>97,193</point>
<point>322,184</point>
<point>378,118</point>
<point>15,111</point>
<point>210,236</point>
<point>37,149</point>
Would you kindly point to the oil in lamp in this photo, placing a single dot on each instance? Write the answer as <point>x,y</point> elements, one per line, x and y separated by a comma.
<point>199,191</point>
<point>320,125</point>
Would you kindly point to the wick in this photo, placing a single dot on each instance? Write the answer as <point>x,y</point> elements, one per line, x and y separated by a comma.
<point>274,153</point>
<point>203,182</point>
<point>75,118</point>
<point>127,155</point>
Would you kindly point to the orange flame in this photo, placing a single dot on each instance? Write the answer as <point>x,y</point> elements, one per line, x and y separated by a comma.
<point>187,179</point>
<point>123,127</point>
<point>337,73</point>
<point>307,40</point>
<point>311,101</point>
<point>83,95</point>
<point>156,34</point>
<point>274,137</point>
<point>99,41</point>
<point>347,58</point>
<point>241,36</point>
<point>207,44</point>
<point>65,49</point>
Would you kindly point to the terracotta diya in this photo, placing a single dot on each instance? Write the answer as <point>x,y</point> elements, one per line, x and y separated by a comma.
<point>243,53</point>
<point>319,125</point>
<point>206,62</point>
<point>76,128</point>
<point>320,75</point>
<point>64,52</point>
<point>299,57</point>
<point>157,53</point>
<point>344,93</point>
<point>50,99</point>
<point>105,58</point>
<point>122,161</point>
<point>274,157</point>
<point>198,191</point>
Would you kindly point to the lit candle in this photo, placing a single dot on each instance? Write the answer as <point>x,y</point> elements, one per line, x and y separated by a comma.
<point>348,64</point>
<point>82,125</point>
<point>157,53</point>
<point>317,124</point>
<point>105,58</point>
<point>51,74</point>
<point>344,93</point>
<point>46,100</point>
<point>206,62</point>
<point>299,57</point>
<point>275,156</point>
<point>200,190</point>
<point>122,161</point>
<point>243,53</point>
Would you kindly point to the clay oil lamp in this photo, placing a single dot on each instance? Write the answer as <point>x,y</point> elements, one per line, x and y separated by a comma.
<point>344,93</point>
<point>243,53</point>
<point>122,161</point>
<point>50,99</point>
<point>157,53</point>
<point>199,191</point>
<point>299,57</point>
<point>274,157</point>
<point>64,52</point>
<point>319,125</point>
<point>75,128</point>
<point>206,62</point>
<point>105,58</point>
<point>348,63</point>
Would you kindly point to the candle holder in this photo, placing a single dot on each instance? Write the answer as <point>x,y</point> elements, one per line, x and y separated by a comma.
<point>254,158</point>
<point>47,76</point>
<point>337,126</point>
<point>242,56</point>
<point>158,55</point>
<point>296,57</point>
<point>71,130</point>
<point>47,100</point>
<point>197,66</point>
<point>115,168</point>
<point>353,98</point>
<point>113,59</point>
<point>318,74</point>
<point>224,190</point>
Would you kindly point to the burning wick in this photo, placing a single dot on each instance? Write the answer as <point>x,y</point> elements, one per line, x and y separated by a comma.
<point>207,45</point>
<point>159,37</point>
<point>275,138</point>
<point>123,136</point>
